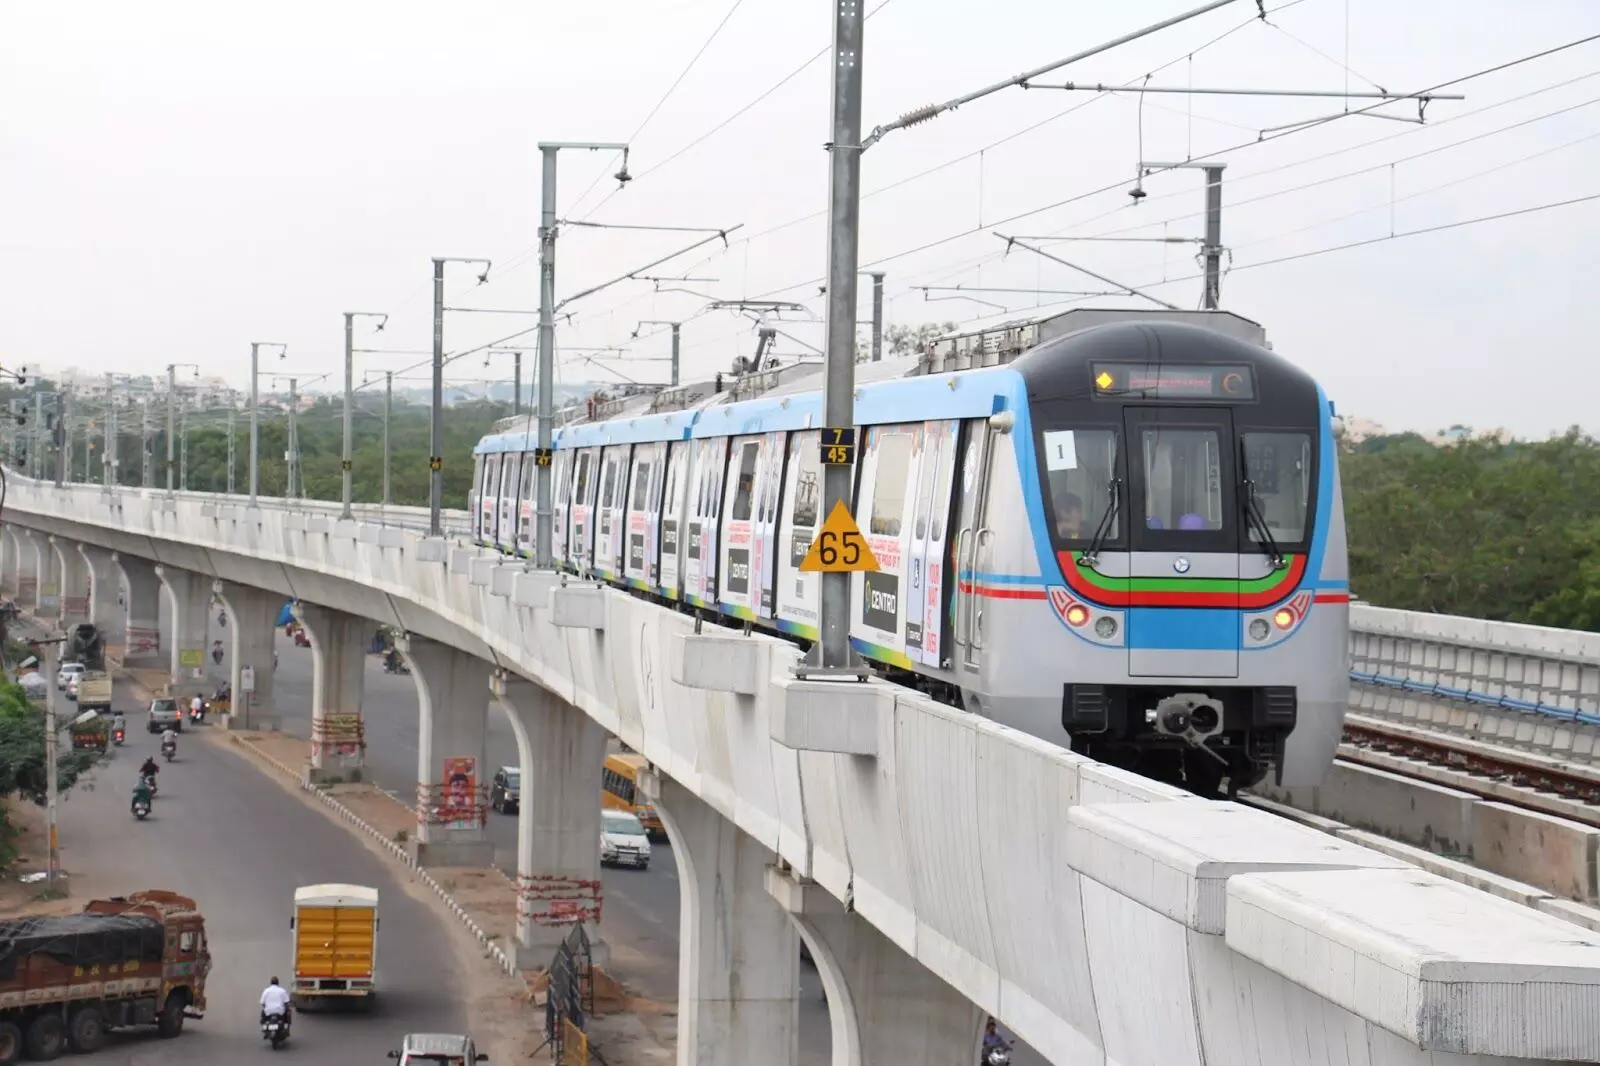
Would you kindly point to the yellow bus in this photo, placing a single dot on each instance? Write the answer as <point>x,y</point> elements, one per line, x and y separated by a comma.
<point>619,790</point>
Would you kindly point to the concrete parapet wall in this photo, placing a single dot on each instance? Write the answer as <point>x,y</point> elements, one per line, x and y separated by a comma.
<point>953,840</point>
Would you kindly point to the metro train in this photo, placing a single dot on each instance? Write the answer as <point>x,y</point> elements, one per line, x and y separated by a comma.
<point>1128,540</point>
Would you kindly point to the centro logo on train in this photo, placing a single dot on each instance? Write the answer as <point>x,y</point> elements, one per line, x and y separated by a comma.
<point>1116,530</point>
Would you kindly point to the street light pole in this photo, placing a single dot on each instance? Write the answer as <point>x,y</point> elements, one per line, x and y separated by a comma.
<point>544,521</point>
<point>676,326</point>
<point>388,410</point>
<point>113,454</point>
<point>436,425</point>
<point>231,412</point>
<point>51,772</point>
<point>346,462</point>
<point>172,412</point>
<point>255,409</point>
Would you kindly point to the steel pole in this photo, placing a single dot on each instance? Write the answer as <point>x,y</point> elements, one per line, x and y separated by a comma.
<point>292,466</point>
<point>346,464</point>
<point>1213,248</point>
<point>146,445</point>
<point>388,409</point>
<point>436,426</point>
<point>113,455</point>
<point>172,418</point>
<point>51,773</point>
<point>844,220</point>
<point>516,383</point>
<point>64,432</point>
<point>36,459</point>
<point>255,415</point>
<point>544,531</point>
<point>231,412</point>
<point>183,450</point>
<point>877,315</point>
<point>675,339</point>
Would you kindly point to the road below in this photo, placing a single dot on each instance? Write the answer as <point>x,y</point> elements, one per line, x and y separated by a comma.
<point>641,906</point>
<point>239,844</point>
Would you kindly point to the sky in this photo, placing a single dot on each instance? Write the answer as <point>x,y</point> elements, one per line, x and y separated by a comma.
<point>179,179</point>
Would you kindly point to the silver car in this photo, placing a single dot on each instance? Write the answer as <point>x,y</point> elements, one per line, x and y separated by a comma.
<point>438,1048</point>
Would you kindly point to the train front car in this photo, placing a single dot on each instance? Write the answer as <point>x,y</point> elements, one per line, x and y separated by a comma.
<point>1187,517</point>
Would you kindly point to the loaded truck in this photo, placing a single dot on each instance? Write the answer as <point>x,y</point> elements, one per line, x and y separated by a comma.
<point>131,960</point>
<point>335,945</point>
<point>86,645</point>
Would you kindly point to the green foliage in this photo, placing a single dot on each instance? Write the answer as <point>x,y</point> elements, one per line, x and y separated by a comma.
<point>22,753</point>
<point>1509,532</point>
<point>321,433</point>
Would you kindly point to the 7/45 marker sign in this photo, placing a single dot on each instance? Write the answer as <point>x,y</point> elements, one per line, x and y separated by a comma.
<point>839,548</point>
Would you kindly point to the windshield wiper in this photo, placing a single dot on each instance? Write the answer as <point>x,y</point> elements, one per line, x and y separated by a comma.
<point>1102,532</point>
<point>1253,516</point>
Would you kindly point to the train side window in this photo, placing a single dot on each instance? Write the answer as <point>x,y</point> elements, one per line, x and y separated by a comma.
<point>891,482</point>
<point>580,493</point>
<point>608,483</point>
<point>674,474</point>
<point>803,452</point>
<point>744,488</point>
<point>643,471</point>
<point>527,476</point>
<point>919,527</point>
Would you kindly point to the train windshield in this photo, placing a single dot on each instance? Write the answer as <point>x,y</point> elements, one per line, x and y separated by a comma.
<point>1080,465</point>
<point>1278,469</point>
<point>1182,470</point>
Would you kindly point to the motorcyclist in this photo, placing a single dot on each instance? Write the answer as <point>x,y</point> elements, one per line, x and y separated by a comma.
<point>169,737</point>
<point>119,724</point>
<point>149,769</point>
<point>992,1038</point>
<point>275,1000</point>
<point>197,707</point>
<point>141,794</point>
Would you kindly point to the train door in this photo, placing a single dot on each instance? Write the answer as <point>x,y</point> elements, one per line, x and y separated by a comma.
<point>475,491</point>
<point>525,506</point>
<point>672,518</point>
<point>798,593</point>
<point>700,560</point>
<point>560,502</point>
<point>510,478</point>
<point>642,517</point>
<point>489,502</point>
<point>613,502</point>
<point>886,498</point>
<point>585,486</point>
<point>738,592</point>
<point>972,543</point>
<point>1184,533</point>
<point>925,600</point>
<point>766,523</point>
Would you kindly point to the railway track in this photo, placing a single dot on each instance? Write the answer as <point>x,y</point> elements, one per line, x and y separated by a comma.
<point>1504,775</point>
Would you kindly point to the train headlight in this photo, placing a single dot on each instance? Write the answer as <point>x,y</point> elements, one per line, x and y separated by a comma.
<point>1105,627</point>
<point>1283,618</point>
<point>1258,629</point>
<point>1077,615</point>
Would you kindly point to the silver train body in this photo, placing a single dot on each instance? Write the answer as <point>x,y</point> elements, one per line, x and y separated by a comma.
<point>1129,539</point>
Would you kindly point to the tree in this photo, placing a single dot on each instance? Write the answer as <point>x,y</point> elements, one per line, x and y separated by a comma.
<point>23,771</point>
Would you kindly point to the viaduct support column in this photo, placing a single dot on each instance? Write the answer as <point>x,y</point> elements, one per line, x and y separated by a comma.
<point>74,571</point>
<point>47,602</point>
<point>142,647</point>
<point>10,552</point>
<point>189,603</point>
<point>27,570</point>
<point>562,752</point>
<point>885,1008</point>
<point>252,614</point>
<point>452,780</point>
<point>738,952</point>
<point>339,645</point>
<point>105,583</point>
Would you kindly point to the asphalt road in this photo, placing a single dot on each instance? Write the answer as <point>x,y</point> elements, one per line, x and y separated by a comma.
<point>239,843</point>
<point>641,907</point>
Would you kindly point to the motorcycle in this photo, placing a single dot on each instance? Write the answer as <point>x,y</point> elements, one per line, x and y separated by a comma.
<point>141,810</point>
<point>169,749</point>
<point>998,1056</point>
<point>195,716</point>
<point>150,783</point>
<point>118,736</point>
<point>275,1027</point>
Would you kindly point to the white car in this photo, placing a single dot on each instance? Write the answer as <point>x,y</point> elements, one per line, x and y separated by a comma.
<point>68,672</point>
<point>72,687</point>
<point>436,1048</point>
<point>623,841</point>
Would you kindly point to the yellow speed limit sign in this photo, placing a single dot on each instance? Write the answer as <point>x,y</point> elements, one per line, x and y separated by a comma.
<point>839,548</point>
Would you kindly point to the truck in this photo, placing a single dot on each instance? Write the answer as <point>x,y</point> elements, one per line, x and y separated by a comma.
<point>66,980</point>
<point>335,946</point>
<point>94,691</point>
<point>85,644</point>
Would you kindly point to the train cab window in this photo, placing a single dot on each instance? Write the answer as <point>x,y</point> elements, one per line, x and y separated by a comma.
<point>1278,468</point>
<point>891,482</point>
<point>1080,465</point>
<point>1182,479</point>
<point>745,490</point>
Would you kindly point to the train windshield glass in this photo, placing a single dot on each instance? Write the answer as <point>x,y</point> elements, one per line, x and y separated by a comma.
<point>1182,478</point>
<point>1079,466</point>
<point>1278,467</point>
